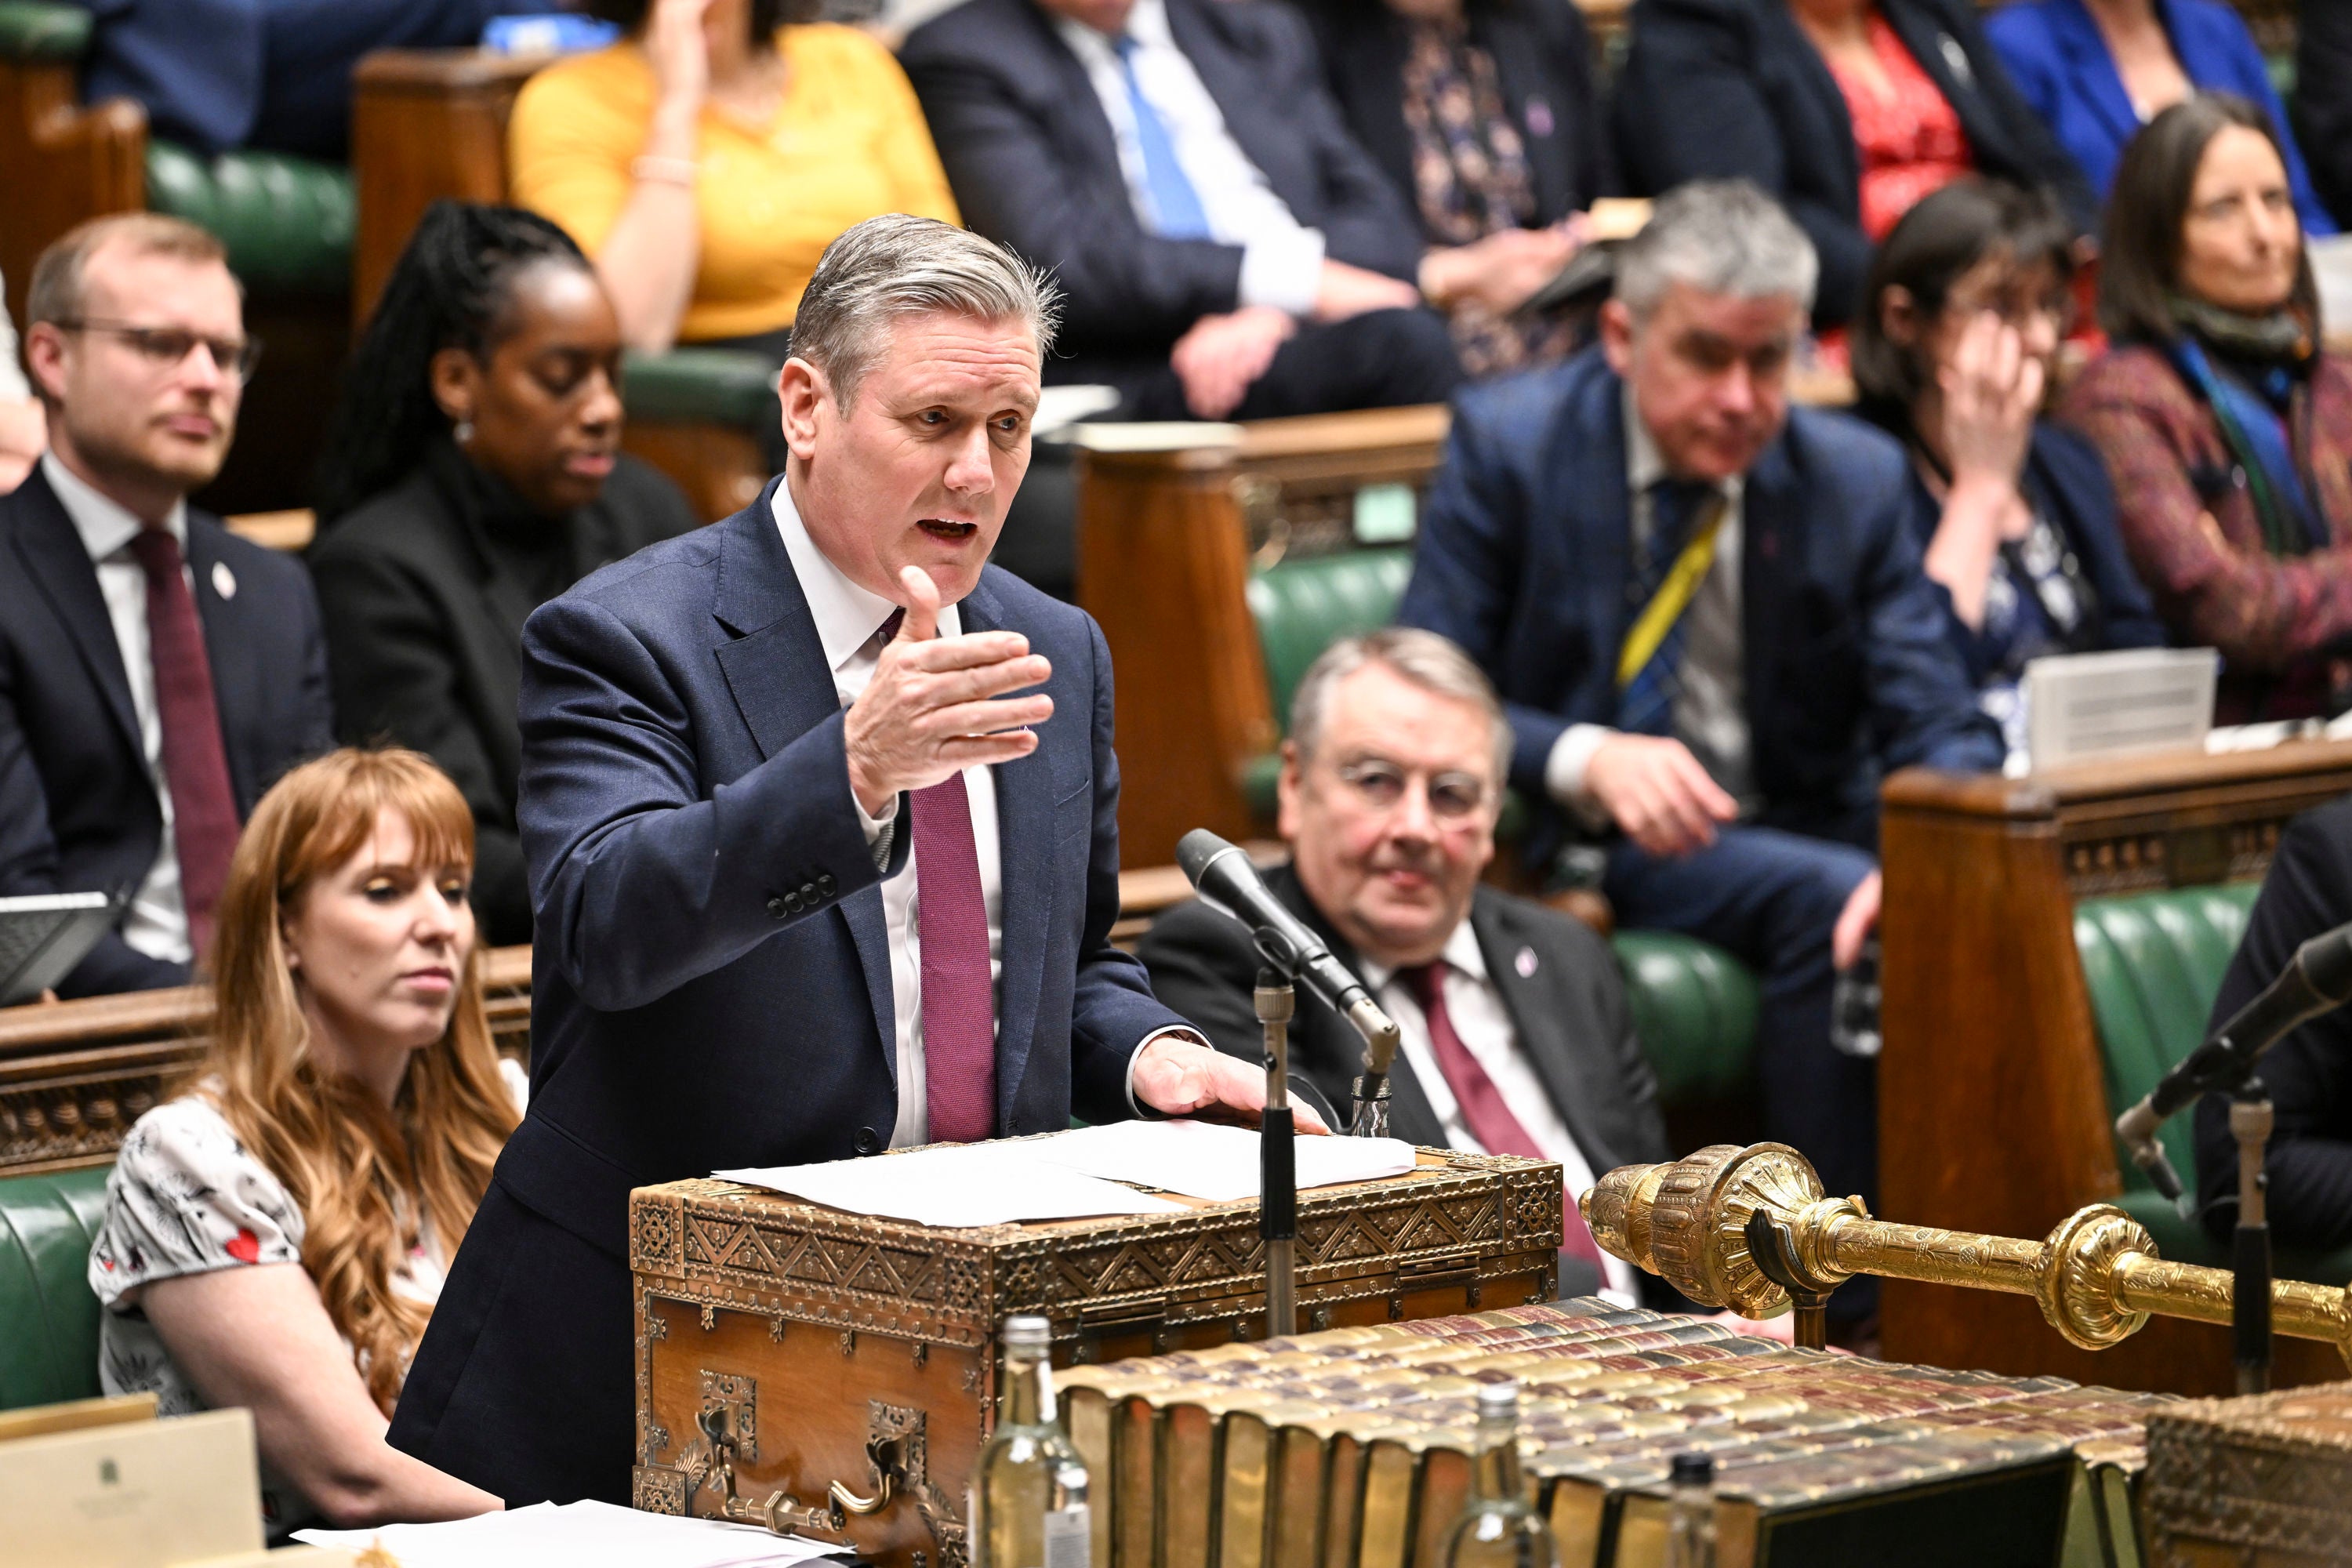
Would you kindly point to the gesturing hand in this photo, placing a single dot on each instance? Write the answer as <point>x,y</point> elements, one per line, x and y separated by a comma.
<point>1657,793</point>
<point>936,705</point>
<point>679,54</point>
<point>1183,1079</point>
<point>1991,387</point>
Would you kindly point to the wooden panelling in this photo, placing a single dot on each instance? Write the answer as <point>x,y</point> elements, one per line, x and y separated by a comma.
<point>60,163</point>
<point>722,468</point>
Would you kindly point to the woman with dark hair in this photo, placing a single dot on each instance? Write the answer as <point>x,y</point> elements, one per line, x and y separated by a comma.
<point>1965,309</point>
<point>2227,430</point>
<point>1486,117</point>
<point>473,473</point>
<point>1846,112</point>
<point>708,159</point>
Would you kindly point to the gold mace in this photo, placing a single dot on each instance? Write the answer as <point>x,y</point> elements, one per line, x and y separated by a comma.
<point>1745,1229</point>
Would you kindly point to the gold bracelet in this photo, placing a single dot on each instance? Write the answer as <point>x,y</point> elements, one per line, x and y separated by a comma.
<point>665,171</point>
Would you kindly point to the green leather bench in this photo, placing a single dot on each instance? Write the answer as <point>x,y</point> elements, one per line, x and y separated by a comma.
<point>2153,964</point>
<point>48,1319</point>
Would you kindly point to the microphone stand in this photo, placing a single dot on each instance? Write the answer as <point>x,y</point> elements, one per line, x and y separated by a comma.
<point>2250,1249</point>
<point>1277,1165</point>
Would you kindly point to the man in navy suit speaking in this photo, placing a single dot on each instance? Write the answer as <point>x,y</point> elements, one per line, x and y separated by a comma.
<point>821,816</point>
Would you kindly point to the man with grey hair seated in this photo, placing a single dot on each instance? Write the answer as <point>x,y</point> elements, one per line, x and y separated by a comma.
<point>1517,1038</point>
<point>1705,614</point>
<point>821,815</point>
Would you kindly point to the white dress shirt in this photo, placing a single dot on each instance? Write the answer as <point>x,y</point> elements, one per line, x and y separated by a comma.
<point>1710,707</point>
<point>1483,1024</point>
<point>1282,259</point>
<point>157,921</point>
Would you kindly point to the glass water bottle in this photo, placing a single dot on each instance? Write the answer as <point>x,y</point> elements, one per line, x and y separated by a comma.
<point>1029,1490</point>
<point>1499,1529</point>
<point>1690,1512</point>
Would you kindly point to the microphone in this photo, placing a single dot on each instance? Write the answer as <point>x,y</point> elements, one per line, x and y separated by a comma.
<point>1224,876</point>
<point>2317,980</point>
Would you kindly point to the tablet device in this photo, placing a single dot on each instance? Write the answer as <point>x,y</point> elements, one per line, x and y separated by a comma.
<point>43,935</point>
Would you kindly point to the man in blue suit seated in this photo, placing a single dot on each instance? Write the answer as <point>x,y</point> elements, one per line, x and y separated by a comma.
<point>1706,618</point>
<point>821,812</point>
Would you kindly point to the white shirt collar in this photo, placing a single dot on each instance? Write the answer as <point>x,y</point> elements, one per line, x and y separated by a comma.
<point>1147,24</point>
<point>105,524</point>
<point>847,614</point>
<point>1461,952</point>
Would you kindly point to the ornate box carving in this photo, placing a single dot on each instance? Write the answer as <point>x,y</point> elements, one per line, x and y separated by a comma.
<point>2265,1481</point>
<point>835,1374</point>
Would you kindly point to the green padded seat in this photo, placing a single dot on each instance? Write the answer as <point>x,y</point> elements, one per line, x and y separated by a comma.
<point>48,1319</point>
<point>1694,1009</point>
<point>1305,606</point>
<point>31,32</point>
<point>702,386</point>
<point>286,221</point>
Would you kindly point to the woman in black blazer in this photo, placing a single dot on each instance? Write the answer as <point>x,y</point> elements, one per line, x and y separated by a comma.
<point>1723,89</point>
<point>1496,186</point>
<point>474,474</point>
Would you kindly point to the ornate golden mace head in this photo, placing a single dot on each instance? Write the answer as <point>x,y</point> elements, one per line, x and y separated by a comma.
<point>2097,1277</point>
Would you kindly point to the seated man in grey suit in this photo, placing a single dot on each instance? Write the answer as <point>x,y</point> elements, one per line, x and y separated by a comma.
<point>1518,1039</point>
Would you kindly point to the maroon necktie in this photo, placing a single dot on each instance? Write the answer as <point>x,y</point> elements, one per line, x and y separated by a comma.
<point>958,990</point>
<point>204,808</point>
<point>1483,1109</point>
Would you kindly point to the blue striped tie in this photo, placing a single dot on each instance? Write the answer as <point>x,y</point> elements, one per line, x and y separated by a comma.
<point>1175,204</point>
<point>1646,706</point>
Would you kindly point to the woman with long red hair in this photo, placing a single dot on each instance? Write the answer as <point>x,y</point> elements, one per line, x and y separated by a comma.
<point>275,1236</point>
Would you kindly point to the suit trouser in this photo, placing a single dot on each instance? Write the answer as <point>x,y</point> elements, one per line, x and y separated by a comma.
<point>1382,359</point>
<point>525,1384</point>
<point>1772,898</point>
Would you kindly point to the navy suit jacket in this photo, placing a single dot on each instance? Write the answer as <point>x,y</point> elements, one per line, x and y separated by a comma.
<point>711,976</point>
<point>78,811</point>
<point>1035,163</point>
<point>2060,61</point>
<point>1725,89</point>
<point>1523,561</point>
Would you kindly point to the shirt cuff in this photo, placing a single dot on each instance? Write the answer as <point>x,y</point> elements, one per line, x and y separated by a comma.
<point>1564,770</point>
<point>880,831</point>
<point>1193,1037</point>
<point>1283,269</point>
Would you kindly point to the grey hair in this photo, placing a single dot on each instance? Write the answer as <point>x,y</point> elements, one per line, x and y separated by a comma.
<point>895,266</point>
<point>1719,236</point>
<point>1424,658</point>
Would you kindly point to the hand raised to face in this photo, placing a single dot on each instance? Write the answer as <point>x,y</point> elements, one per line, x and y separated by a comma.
<point>938,705</point>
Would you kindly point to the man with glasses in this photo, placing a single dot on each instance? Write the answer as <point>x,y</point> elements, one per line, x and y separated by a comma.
<point>157,673</point>
<point>1518,1039</point>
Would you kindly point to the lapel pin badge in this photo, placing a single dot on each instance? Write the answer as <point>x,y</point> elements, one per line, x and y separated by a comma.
<point>223,580</point>
<point>1525,962</point>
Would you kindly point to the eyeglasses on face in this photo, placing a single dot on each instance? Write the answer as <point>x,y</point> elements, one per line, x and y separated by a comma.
<point>1455,798</point>
<point>167,348</point>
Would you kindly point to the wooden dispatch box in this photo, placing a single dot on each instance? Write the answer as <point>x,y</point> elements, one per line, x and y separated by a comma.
<point>835,1374</point>
<point>2261,1481</point>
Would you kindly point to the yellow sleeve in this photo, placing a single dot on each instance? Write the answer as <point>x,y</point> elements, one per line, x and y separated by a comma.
<point>574,132</point>
<point>919,185</point>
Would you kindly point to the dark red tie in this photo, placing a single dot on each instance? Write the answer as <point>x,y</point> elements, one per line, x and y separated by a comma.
<point>1484,1110</point>
<point>959,991</point>
<point>196,767</point>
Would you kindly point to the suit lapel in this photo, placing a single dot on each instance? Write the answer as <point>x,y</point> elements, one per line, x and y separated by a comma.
<point>1411,1116</point>
<point>1073,90</point>
<point>2092,68</point>
<point>1599,494</point>
<point>1771,556</point>
<point>775,671</point>
<point>236,671</point>
<point>1024,842</point>
<point>1535,1012</point>
<point>54,558</point>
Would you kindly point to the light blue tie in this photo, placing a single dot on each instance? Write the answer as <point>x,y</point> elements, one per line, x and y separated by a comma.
<point>1174,203</point>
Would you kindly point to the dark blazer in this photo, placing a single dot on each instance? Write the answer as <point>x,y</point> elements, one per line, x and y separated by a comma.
<point>2060,62</point>
<point>1543,62</point>
<point>78,806</point>
<point>1724,88</point>
<point>2323,99</point>
<point>1035,163</point>
<point>424,622</point>
<point>712,974</point>
<point>2309,1073</point>
<point>1569,1009</point>
<point>1523,562</point>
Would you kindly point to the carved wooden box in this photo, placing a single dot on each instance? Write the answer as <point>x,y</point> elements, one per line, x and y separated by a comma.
<point>835,1374</point>
<point>2265,1481</point>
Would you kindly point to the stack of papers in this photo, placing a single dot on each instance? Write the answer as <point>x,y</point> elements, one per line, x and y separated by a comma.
<point>1078,1175</point>
<point>576,1535</point>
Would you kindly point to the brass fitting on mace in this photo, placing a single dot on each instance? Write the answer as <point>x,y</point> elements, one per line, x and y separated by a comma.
<point>2097,1277</point>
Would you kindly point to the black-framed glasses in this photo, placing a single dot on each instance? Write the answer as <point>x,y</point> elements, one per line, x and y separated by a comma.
<point>1454,797</point>
<point>167,347</point>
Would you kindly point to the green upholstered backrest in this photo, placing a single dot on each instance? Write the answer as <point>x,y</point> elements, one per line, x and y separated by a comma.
<point>699,386</point>
<point>288,222</point>
<point>1304,606</point>
<point>1694,1009</point>
<point>31,31</point>
<point>2153,964</point>
<point>48,1319</point>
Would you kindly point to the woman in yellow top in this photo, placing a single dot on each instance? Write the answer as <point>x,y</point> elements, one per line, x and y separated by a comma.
<point>706,160</point>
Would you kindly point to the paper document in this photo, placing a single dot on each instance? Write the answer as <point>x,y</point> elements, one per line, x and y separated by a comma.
<point>1207,1159</point>
<point>577,1535</point>
<point>958,1184</point>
